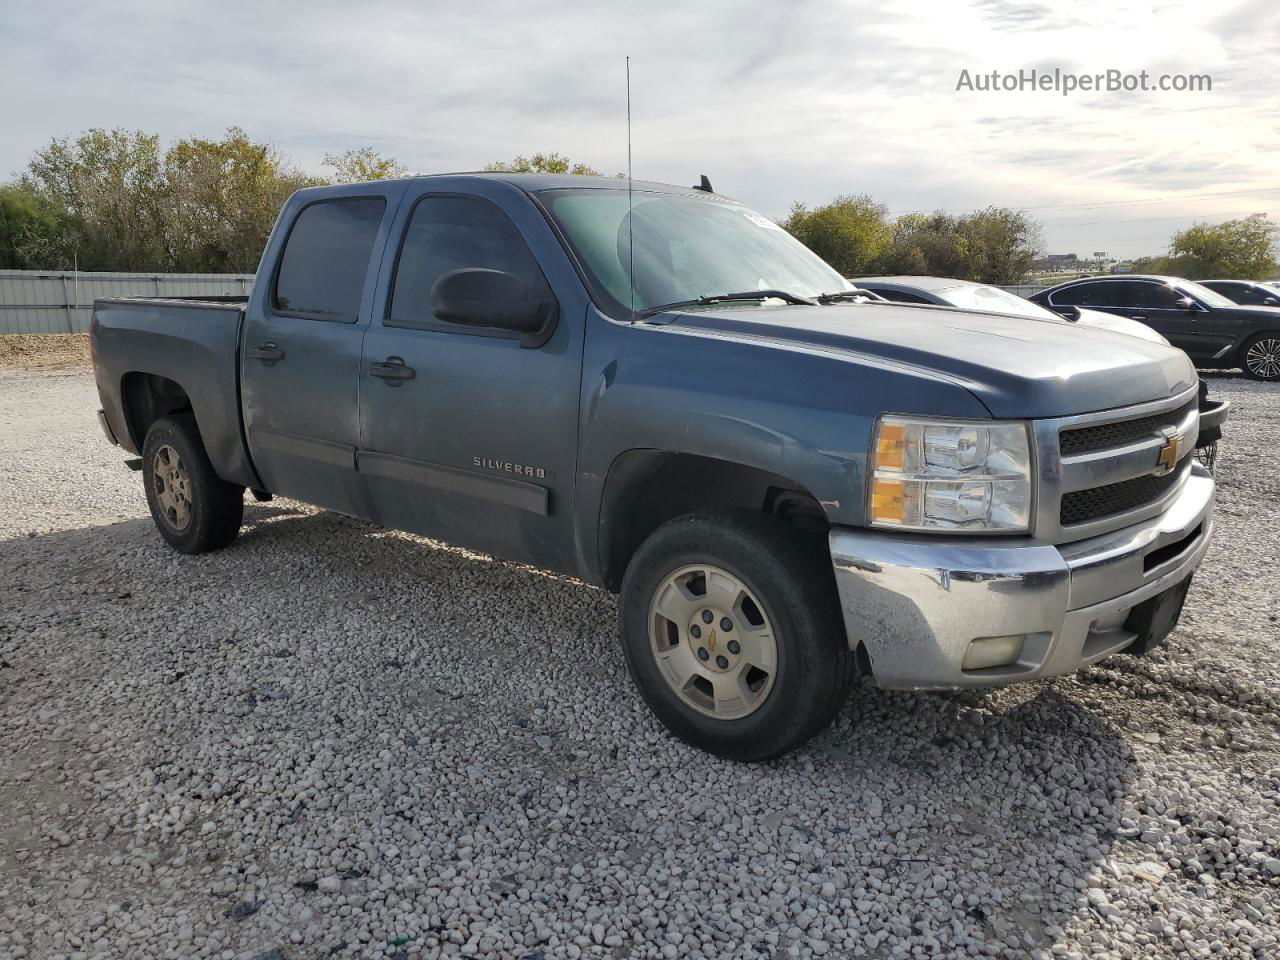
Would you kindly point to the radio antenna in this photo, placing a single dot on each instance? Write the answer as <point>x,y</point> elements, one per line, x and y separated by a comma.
<point>631,249</point>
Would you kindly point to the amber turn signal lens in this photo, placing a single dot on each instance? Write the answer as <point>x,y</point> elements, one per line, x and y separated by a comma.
<point>888,500</point>
<point>891,446</point>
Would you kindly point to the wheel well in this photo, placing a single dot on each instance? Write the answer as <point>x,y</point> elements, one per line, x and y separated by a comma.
<point>148,397</point>
<point>646,488</point>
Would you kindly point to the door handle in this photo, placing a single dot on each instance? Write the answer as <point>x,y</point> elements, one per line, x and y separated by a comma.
<point>1140,317</point>
<point>268,353</point>
<point>393,371</point>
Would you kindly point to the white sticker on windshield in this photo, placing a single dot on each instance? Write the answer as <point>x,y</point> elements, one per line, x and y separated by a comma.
<point>762,222</point>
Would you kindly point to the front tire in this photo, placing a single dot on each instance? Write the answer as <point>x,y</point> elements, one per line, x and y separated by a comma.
<point>194,509</point>
<point>732,633</point>
<point>1260,357</point>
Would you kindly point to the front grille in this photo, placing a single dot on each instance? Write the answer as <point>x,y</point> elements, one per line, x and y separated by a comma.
<point>1083,506</point>
<point>1108,435</point>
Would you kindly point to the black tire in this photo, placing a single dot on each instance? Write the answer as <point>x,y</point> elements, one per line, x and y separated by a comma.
<point>1263,352</point>
<point>790,572</point>
<point>214,508</point>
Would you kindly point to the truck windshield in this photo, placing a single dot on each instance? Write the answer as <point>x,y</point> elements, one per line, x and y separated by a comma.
<point>683,247</point>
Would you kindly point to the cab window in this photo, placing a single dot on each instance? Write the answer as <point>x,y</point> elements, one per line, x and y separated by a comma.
<point>326,259</point>
<point>448,233</point>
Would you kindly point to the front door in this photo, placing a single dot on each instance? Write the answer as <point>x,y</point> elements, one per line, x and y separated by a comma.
<point>300,355</point>
<point>1163,308</point>
<point>466,435</point>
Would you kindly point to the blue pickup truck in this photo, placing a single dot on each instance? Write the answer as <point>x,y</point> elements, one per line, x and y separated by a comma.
<point>657,390</point>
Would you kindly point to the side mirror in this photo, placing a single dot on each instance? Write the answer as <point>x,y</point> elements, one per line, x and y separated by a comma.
<point>1271,302</point>
<point>1189,305</point>
<point>1068,312</point>
<point>480,297</point>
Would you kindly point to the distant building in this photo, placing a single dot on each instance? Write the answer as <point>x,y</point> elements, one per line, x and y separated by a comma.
<point>1055,262</point>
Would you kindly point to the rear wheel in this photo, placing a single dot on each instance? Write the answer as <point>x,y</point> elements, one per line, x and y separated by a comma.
<point>194,509</point>
<point>732,633</point>
<point>1261,357</point>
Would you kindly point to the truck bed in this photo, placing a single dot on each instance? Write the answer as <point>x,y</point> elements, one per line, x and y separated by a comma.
<point>194,341</point>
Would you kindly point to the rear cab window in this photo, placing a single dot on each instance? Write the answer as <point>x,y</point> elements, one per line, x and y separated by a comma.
<point>326,259</point>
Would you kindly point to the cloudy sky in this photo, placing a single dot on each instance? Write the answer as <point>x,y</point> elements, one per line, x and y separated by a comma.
<point>776,101</point>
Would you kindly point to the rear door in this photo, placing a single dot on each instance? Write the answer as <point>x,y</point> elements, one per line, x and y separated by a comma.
<point>300,356</point>
<point>466,435</point>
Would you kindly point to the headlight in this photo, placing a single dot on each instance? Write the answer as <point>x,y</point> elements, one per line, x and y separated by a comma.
<point>950,475</point>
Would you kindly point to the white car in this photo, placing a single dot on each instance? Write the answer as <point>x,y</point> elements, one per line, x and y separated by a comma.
<point>967,295</point>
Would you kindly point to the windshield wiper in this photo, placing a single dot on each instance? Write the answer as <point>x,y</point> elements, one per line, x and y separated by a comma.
<point>728,297</point>
<point>857,293</point>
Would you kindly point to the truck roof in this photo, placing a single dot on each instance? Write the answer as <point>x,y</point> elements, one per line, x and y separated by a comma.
<point>535,182</point>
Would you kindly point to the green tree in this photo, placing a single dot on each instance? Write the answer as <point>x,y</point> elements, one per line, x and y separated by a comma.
<point>111,182</point>
<point>32,231</point>
<point>1243,248</point>
<point>362,165</point>
<point>850,233</point>
<point>925,244</point>
<point>999,245</point>
<point>221,198</point>
<point>544,163</point>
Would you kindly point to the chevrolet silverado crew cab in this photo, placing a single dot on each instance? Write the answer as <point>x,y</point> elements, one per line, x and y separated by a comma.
<point>660,392</point>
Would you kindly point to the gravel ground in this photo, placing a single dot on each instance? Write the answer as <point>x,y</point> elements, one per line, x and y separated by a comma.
<point>331,740</point>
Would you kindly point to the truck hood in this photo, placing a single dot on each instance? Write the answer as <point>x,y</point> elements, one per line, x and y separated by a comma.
<point>1017,367</point>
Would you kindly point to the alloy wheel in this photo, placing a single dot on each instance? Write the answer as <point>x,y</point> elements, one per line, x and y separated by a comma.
<point>172,487</point>
<point>1263,359</point>
<point>712,641</point>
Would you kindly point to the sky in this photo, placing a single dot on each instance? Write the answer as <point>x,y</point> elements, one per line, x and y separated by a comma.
<point>777,102</point>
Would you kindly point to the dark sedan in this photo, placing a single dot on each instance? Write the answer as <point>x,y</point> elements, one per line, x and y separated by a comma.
<point>1248,293</point>
<point>1212,330</point>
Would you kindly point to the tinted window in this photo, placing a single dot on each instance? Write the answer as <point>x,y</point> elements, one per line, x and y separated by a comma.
<point>450,233</point>
<point>326,258</point>
<point>1153,296</point>
<point>1253,296</point>
<point>1084,295</point>
<point>897,296</point>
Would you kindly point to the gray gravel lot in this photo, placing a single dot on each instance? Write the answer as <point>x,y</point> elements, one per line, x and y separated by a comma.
<point>331,740</point>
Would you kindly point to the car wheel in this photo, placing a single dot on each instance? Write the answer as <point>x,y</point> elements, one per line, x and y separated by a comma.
<point>1260,357</point>
<point>194,509</point>
<point>732,633</point>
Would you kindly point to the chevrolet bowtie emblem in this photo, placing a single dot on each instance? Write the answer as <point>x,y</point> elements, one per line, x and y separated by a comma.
<point>1168,458</point>
<point>711,640</point>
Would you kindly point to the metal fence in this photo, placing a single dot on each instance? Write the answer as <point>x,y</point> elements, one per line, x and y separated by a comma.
<point>38,301</point>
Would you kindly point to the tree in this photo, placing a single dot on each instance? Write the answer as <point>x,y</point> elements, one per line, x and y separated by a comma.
<point>221,199</point>
<point>360,166</point>
<point>999,245</point>
<point>32,230</point>
<point>111,183</point>
<point>850,232</point>
<point>544,163</point>
<point>925,244</point>
<point>1243,248</point>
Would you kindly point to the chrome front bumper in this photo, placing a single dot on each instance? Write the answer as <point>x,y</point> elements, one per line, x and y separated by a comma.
<point>917,602</point>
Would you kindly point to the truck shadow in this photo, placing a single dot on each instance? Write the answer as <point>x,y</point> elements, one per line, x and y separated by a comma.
<point>982,814</point>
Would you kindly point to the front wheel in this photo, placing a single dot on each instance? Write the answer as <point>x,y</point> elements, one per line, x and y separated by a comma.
<point>1261,357</point>
<point>194,509</point>
<point>732,633</point>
